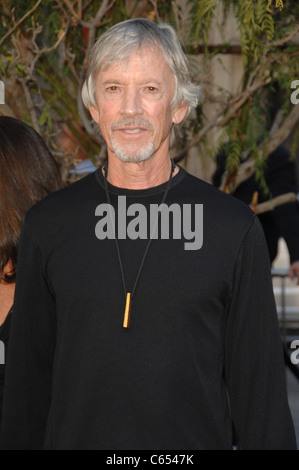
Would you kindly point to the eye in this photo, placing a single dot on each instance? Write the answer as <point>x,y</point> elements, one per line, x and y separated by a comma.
<point>152,88</point>
<point>112,88</point>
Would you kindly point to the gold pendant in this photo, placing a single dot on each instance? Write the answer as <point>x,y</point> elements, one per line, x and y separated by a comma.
<point>127,311</point>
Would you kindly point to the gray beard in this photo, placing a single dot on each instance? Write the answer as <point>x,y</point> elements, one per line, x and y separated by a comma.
<point>125,155</point>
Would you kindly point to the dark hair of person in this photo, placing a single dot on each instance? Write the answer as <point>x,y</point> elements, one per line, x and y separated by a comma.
<point>28,173</point>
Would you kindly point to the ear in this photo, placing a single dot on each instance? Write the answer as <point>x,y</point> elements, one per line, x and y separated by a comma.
<point>94,113</point>
<point>179,112</point>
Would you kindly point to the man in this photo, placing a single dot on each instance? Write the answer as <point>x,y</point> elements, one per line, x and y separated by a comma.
<point>132,332</point>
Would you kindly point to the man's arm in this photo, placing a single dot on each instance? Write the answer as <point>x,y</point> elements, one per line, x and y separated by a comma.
<point>29,362</point>
<point>254,367</point>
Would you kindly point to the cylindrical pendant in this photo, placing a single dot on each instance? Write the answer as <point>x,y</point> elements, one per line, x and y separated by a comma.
<point>127,311</point>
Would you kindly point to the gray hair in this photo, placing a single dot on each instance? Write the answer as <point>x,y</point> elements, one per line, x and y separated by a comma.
<point>118,43</point>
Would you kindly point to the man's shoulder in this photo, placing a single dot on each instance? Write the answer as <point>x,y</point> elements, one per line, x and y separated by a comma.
<point>226,220</point>
<point>216,201</point>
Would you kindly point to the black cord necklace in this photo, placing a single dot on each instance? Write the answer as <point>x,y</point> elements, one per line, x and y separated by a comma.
<point>129,295</point>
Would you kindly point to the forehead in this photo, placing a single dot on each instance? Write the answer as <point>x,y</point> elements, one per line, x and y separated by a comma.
<point>143,62</point>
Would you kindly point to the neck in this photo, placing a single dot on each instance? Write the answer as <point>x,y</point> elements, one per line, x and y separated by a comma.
<point>142,175</point>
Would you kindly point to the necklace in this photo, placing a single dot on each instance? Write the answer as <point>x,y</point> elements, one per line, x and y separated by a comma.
<point>129,295</point>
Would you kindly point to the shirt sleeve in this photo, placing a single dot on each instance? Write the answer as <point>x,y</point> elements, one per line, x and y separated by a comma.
<point>29,362</point>
<point>254,365</point>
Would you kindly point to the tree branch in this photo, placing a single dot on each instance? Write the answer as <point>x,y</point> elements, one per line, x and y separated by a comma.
<point>34,120</point>
<point>282,132</point>
<point>17,24</point>
<point>231,181</point>
<point>105,6</point>
<point>282,41</point>
<point>277,121</point>
<point>73,12</point>
<point>272,203</point>
<point>91,38</point>
<point>39,52</point>
<point>220,119</point>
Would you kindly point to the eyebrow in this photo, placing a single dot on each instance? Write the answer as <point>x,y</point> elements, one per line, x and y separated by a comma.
<point>108,82</point>
<point>117,82</point>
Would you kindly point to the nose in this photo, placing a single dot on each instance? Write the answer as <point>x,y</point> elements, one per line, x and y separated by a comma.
<point>131,103</point>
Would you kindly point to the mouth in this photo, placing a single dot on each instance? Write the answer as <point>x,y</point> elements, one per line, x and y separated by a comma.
<point>129,127</point>
<point>133,131</point>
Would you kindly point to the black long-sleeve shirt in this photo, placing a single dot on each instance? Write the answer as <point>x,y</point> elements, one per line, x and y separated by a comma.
<point>4,337</point>
<point>203,327</point>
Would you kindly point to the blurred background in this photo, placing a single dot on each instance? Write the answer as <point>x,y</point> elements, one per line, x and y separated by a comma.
<point>243,53</point>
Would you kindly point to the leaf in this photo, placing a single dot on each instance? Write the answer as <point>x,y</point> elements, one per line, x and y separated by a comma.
<point>2,67</point>
<point>21,70</point>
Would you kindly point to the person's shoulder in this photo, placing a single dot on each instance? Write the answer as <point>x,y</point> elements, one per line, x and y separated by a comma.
<point>216,201</point>
<point>64,203</point>
<point>226,219</point>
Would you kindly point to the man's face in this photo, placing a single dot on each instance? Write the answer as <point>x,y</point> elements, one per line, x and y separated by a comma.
<point>134,110</point>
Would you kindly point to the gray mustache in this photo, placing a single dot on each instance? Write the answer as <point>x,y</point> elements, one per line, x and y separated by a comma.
<point>132,122</point>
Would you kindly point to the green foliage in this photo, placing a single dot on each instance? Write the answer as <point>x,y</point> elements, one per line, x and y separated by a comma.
<point>255,19</point>
<point>55,81</point>
<point>234,155</point>
<point>259,170</point>
<point>32,57</point>
<point>46,54</point>
<point>203,12</point>
<point>268,59</point>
